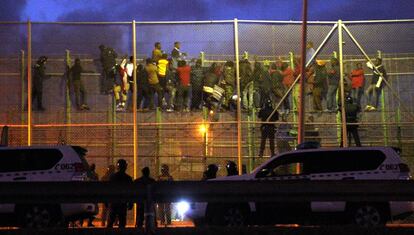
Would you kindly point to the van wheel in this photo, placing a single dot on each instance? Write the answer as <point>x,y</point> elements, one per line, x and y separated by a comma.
<point>41,216</point>
<point>230,216</point>
<point>368,215</point>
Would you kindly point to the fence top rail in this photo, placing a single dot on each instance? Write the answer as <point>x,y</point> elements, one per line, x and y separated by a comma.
<point>82,23</point>
<point>13,22</point>
<point>286,22</point>
<point>378,21</point>
<point>130,22</point>
<point>211,22</point>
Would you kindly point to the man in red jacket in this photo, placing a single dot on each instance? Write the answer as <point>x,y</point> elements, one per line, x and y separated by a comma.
<point>358,83</point>
<point>184,74</point>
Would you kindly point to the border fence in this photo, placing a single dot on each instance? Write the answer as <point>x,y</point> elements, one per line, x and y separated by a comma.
<point>189,141</point>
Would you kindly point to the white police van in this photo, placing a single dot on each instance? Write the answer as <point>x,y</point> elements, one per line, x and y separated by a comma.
<point>43,163</point>
<point>357,163</point>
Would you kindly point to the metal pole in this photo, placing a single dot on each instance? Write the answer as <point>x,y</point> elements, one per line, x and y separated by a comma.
<point>134,107</point>
<point>205,135</point>
<point>158,119</point>
<point>68,102</point>
<point>112,120</point>
<point>239,134</point>
<point>22,80</point>
<point>341,73</point>
<point>29,83</point>
<point>134,99</point>
<point>301,108</point>
<point>398,115</point>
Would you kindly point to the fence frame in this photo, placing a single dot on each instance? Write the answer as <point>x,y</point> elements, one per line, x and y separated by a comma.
<point>341,25</point>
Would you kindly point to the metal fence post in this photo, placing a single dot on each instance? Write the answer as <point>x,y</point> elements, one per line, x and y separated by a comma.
<point>236,50</point>
<point>295,92</point>
<point>205,136</point>
<point>338,115</point>
<point>301,110</point>
<point>23,89</point>
<point>398,115</point>
<point>251,118</point>
<point>112,131</point>
<point>158,117</point>
<point>341,74</point>
<point>134,98</point>
<point>29,83</point>
<point>67,97</point>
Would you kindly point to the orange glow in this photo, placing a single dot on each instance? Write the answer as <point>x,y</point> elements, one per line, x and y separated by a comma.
<point>203,128</point>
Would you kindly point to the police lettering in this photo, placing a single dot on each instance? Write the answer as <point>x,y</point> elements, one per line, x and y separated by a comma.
<point>65,166</point>
<point>388,167</point>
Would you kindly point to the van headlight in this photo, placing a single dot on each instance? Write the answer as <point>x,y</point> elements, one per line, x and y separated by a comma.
<point>182,208</point>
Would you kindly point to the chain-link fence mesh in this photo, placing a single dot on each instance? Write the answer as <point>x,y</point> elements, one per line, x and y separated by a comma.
<point>189,140</point>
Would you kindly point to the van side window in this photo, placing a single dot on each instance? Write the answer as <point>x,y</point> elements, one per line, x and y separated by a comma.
<point>12,160</point>
<point>341,161</point>
<point>292,164</point>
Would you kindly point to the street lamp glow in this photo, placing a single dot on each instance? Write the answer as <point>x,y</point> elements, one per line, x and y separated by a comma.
<point>203,128</point>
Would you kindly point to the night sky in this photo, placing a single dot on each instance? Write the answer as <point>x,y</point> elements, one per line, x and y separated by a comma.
<point>154,10</point>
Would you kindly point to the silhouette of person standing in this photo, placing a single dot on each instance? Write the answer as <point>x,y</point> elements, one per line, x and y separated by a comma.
<point>145,179</point>
<point>119,209</point>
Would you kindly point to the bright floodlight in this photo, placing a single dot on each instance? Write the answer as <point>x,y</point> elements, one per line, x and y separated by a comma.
<point>182,208</point>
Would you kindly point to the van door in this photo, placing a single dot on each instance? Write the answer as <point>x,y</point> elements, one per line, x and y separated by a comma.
<point>286,167</point>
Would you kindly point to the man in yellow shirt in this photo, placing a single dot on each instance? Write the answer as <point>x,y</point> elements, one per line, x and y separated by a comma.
<point>157,53</point>
<point>153,81</point>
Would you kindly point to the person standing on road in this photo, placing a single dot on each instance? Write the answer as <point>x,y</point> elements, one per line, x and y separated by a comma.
<point>105,207</point>
<point>210,173</point>
<point>93,176</point>
<point>165,208</point>
<point>144,179</point>
<point>231,168</point>
<point>119,209</point>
